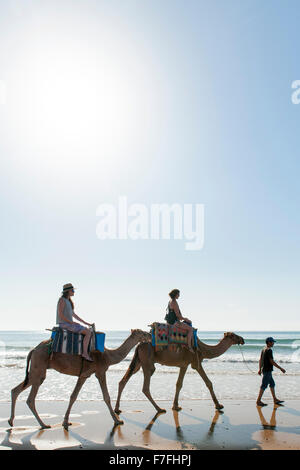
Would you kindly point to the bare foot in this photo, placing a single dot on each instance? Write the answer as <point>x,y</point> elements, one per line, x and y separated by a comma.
<point>219,407</point>
<point>11,422</point>
<point>118,411</point>
<point>177,408</point>
<point>260,403</point>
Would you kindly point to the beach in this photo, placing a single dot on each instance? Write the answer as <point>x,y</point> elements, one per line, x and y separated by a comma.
<point>198,426</point>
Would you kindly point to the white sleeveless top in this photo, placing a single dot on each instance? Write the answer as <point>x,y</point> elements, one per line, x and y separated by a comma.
<point>67,312</point>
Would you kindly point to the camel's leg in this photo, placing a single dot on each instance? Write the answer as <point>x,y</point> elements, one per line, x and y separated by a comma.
<point>122,384</point>
<point>14,395</point>
<point>179,387</point>
<point>79,384</point>
<point>148,372</point>
<point>102,381</point>
<point>31,403</point>
<point>209,385</point>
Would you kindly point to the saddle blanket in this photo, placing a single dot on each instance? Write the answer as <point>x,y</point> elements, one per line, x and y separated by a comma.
<point>67,342</point>
<point>164,335</point>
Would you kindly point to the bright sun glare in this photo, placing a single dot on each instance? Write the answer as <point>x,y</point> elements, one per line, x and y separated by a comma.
<point>78,100</point>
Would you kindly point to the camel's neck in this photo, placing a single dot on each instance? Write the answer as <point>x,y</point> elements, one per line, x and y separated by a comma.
<point>209,352</point>
<point>117,355</point>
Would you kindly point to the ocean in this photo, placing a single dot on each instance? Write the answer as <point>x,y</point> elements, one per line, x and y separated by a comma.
<point>234,374</point>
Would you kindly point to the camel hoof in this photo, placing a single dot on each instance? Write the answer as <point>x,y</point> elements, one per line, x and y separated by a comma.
<point>219,407</point>
<point>118,411</point>
<point>176,408</point>
<point>66,425</point>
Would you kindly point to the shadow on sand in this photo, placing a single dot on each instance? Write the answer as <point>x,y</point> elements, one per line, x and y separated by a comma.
<point>198,433</point>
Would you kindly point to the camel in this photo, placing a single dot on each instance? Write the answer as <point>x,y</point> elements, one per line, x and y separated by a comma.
<point>72,365</point>
<point>145,356</point>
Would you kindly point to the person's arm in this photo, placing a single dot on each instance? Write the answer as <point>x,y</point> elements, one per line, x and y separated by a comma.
<point>61,306</point>
<point>276,365</point>
<point>80,319</point>
<point>174,306</point>
<point>260,363</point>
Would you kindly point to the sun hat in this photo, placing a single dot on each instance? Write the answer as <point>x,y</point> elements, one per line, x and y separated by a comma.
<point>270,340</point>
<point>67,287</point>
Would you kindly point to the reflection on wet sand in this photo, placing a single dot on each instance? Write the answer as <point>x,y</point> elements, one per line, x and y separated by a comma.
<point>218,413</point>
<point>265,424</point>
<point>109,441</point>
<point>199,427</point>
<point>147,434</point>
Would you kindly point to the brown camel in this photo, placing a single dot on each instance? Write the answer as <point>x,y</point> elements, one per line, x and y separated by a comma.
<point>72,365</point>
<point>146,356</point>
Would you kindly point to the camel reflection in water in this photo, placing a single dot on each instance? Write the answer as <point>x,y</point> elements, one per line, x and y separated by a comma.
<point>179,432</point>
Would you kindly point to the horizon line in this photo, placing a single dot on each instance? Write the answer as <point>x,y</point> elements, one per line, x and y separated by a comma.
<point>215,331</point>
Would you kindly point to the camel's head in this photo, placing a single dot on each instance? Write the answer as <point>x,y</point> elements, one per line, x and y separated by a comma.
<point>234,338</point>
<point>141,336</point>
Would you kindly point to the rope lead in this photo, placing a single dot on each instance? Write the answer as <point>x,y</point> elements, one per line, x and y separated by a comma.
<point>245,361</point>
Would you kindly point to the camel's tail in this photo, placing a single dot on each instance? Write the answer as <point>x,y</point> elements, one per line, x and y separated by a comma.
<point>27,368</point>
<point>134,365</point>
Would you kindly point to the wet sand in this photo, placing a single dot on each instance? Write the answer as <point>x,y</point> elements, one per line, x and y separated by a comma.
<point>198,425</point>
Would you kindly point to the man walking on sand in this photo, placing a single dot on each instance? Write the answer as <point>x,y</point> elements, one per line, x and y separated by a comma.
<point>266,364</point>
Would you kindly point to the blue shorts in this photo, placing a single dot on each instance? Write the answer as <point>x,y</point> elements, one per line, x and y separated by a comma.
<point>267,380</point>
<point>75,327</point>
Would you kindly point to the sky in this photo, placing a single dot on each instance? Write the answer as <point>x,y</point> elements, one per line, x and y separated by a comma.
<point>169,102</point>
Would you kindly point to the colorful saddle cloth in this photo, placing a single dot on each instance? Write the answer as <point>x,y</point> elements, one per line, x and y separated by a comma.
<point>165,335</point>
<point>67,342</point>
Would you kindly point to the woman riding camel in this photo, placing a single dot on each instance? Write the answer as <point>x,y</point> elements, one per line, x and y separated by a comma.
<point>64,318</point>
<point>174,317</point>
